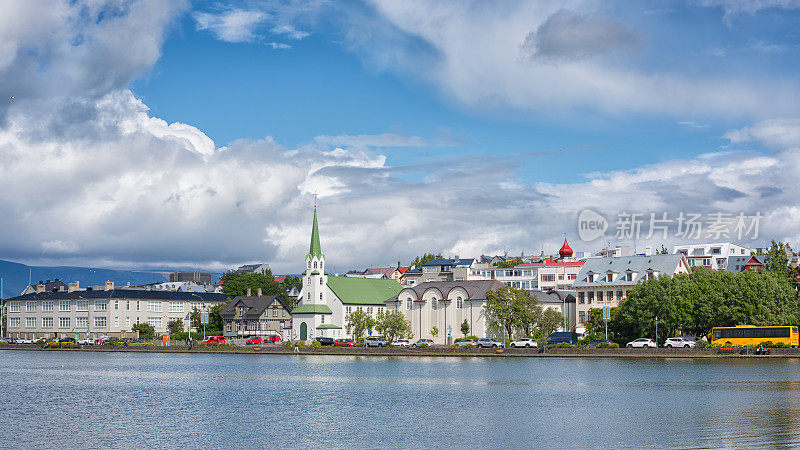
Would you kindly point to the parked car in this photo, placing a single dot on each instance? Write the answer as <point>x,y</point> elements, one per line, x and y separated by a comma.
<point>489,343</point>
<point>23,341</point>
<point>344,343</point>
<point>254,340</point>
<point>465,342</point>
<point>570,337</point>
<point>679,342</point>
<point>272,338</point>
<point>67,339</point>
<point>143,340</point>
<point>423,343</point>
<point>375,341</point>
<point>642,343</point>
<point>525,342</point>
<point>596,342</point>
<point>215,340</point>
<point>324,340</point>
<point>401,343</point>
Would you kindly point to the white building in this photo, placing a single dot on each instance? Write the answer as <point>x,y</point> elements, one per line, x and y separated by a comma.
<point>718,256</point>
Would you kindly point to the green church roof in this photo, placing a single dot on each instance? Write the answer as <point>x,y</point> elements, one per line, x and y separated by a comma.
<point>312,309</point>
<point>315,249</point>
<point>328,326</point>
<point>363,291</point>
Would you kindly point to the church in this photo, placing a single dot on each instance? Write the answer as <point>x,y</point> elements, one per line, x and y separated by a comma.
<point>326,300</point>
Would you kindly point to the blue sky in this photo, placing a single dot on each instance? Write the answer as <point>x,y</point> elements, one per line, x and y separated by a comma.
<point>194,134</point>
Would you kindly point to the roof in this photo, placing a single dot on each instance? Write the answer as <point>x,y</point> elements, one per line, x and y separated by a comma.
<point>476,290</point>
<point>312,309</point>
<point>363,291</point>
<point>315,249</point>
<point>553,296</point>
<point>255,305</point>
<point>663,264</point>
<point>551,263</point>
<point>126,293</point>
<point>329,326</point>
<point>451,262</point>
<point>402,269</point>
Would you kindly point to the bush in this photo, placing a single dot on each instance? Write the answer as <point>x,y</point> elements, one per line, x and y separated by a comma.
<point>471,336</point>
<point>40,342</point>
<point>607,345</point>
<point>562,345</point>
<point>302,344</point>
<point>3,342</point>
<point>421,345</point>
<point>316,344</point>
<point>781,345</point>
<point>466,346</point>
<point>181,336</point>
<point>141,344</point>
<point>768,344</point>
<point>702,343</point>
<point>360,342</point>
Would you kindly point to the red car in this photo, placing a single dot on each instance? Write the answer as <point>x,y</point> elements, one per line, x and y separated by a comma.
<point>215,340</point>
<point>254,340</point>
<point>344,343</point>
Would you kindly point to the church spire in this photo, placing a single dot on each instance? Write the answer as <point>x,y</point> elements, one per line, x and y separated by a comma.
<point>315,249</point>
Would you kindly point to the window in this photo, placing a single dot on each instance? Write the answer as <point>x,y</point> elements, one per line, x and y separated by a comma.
<point>591,277</point>
<point>322,318</point>
<point>154,321</point>
<point>15,306</point>
<point>116,322</point>
<point>81,323</point>
<point>137,307</point>
<point>561,276</point>
<point>154,306</point>
<point>619,296</point>
<point>14,322</point>
<point>582,316</point>
<point>101,305</point>
<point>433,303</point>
<point>549,277</point>
<point>409,304</point>
<point>30,306</point>
<point>581,298</point>
<point>82,305</point>
<point>128,322</point>
<point>610,296</point>
<point>47,322</point>
<point>47,305</point>
<point>369,309</point>
<point>349,309</point>
<point>599,296</point>
<point>30,322</point>
<point>63,322</point>
<point>591,297</point>
<point>320,281</point>
<point>320,295</point>
<point>63,305</point>
<point>127,305</point>
<point>309,281</point>
<point>572,276</point>
<point>610,277</point>
<point>629,276</point>
<point>275,312</point>
<point>116,305</point>
<point>309,296</point>
<point>100,322</point>
<point>176,307</point>
<point>459,302</point>
<point>315,264</point>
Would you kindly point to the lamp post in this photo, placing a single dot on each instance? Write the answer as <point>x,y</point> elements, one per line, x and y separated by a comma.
<point>656,331</point>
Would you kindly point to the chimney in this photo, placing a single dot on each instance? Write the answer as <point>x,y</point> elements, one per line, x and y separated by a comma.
<point>249,292</point>
<point>398,263</point>
<point>259,292</point>
<point>109,285</point>
<point>74,286</point>
<point>40,288</point>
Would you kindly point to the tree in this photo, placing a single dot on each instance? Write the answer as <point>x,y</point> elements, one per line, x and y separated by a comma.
<point>464,327</point>
<point>175,326</point>
<point>508,264</point>
<point>215,318</point>
<point>528,311</point>
<point>425,258</point>
<point>777,261</point>
<point>359,322</point>
<point>549,322</point>
<point>146,331</point>
<point>504,307</point>
<point>663,250</point>
<point>435,331</point>
<point>393,325</point>
<point>237,283</point>
<point>285,286</point>
<point>194,319</point>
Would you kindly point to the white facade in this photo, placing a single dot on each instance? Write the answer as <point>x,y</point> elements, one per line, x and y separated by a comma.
<point>533,276</point>
<point>717,256</point>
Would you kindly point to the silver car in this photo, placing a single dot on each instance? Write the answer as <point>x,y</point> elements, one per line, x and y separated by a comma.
<point>375,341</point>
<point>679,342</point>
<point>465,342</point>
<point>423,343</point>
<point>489,343</point>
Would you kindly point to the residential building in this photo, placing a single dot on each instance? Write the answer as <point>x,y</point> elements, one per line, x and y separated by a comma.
<point>325,300</point>
<point>253,268</point>
<point>194,277</point>
<point>718,256</point>
<point>455,269</point>
<point>606,281</point>
<point>394,273</point>
<point>100,312</point>
<point>543,275</point>
<point>45,286</point>
<point>259,315</point>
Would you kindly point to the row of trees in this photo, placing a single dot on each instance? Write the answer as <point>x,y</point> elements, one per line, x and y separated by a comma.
<point>517,313</point>
<point>697,302</point>
<point>390,324</point>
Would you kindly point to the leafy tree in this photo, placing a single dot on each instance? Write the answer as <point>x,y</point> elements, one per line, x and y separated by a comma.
<point>527,310</point>
<point>425,258</point>
<point>504,307</point>
<point>549,322</point>
<point>435,331</point>
<point>777,261</point>
<point>359,322</point>
<point>215,322</point>
<point>175,326</point>
<point>663,250</point>
<point>508,264</point>
<point>236,283</point>
<point>392,325</point>
<point>194,319</point>
<point>146,331</point>
<point>465,327</point>
<point>287,285</point>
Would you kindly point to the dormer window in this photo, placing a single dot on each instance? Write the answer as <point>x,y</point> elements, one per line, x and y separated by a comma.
<point>590,277</point>
<point>610,277</point>
<point>629,276</point>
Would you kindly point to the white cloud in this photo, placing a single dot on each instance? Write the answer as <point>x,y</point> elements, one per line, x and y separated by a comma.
<point>385,140</point>
<point>776,133</point>
<point>230,22</point>
<point>234,25</point>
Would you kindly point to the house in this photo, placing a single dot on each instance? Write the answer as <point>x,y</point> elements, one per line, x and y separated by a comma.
<point>455,269</point>
<point>717,256</point>
<point>607,280</point>
<point>325,301</point>
<point>755,262</point>
<point>194,277</point>
<point>46,286</point>
<point>259,315</point>
<point>253,268</point>
<point>100,312</point>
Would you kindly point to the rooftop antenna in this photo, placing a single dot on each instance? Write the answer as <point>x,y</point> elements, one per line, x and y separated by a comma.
<point>29,275</point>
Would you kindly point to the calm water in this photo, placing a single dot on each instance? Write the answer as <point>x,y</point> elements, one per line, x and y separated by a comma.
<point>76,400</point>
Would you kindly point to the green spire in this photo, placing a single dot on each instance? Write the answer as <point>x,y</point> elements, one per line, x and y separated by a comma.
<point>315,249</point>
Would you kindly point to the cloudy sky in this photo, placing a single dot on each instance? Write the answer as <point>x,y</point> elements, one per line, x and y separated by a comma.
<point>156,134</point>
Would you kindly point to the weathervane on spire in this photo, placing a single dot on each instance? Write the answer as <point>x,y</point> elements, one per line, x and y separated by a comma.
<point>315,199</point>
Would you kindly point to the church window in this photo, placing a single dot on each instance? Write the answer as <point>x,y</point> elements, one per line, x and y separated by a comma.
<point>320,295</point>
<point>322,318</point>
<point>433,303</point>
<point>309,264</point>
<point>409,304</point>
<point>459,302</point>
<point>349,310</point>
<point>309,281</point>
<point>309,295</point>
<point>315,264</point>
<point>369,309</point>
<point>320,281</point>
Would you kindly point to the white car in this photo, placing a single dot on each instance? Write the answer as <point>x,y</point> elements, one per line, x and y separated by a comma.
<point>401,343</point>
<point>23,341</point>
<point>525,342</point>
<point>86,341</point>
<point>642,343</point>
<point>679,342</point>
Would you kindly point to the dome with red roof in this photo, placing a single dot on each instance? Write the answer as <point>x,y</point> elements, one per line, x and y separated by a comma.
<point>565,251</point>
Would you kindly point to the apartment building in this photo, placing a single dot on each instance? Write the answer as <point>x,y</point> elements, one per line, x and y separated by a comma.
<point>543,275</point>
<point>718,256</point>
<point>456,269</point>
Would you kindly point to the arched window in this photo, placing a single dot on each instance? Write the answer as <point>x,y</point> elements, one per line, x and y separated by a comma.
<point>315,264</point>
<point>433,303</point>
<point>320,281</point>
<point>309,295</point>
<point>320,295</point>
<point>459,302</point>
<point>309,264</point>
<point>309,281</point>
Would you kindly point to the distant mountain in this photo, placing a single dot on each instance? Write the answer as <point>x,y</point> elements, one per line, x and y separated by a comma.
<point>15,276</point>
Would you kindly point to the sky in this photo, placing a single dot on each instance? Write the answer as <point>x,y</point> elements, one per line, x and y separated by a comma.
<point>176,134</point>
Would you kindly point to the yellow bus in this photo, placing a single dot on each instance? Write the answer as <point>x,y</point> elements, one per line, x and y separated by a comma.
<point>753,335</point>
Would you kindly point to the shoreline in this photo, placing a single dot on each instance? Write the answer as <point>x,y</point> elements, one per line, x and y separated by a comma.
<point>423,352</point>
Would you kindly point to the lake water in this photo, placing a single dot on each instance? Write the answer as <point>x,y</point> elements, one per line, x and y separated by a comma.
<point>88,399</point>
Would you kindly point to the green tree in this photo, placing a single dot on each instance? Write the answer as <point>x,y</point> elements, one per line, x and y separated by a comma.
<point>465,327</point>
<point>549,322</point>
<point>175,326</point>
<point>777,261</point>
<point>435,331</point>
<point>508,264</point>
<point>146,331</point>
<point>359,322</point>
<point>236,283</point>
<point>425,258</point>
<point>215,322</point>
<point>528,312</point>
<point>504,307</point>
<point>287,285</point>
<point>194,319</point>
<point>392,325</point>
<point>663,250</point>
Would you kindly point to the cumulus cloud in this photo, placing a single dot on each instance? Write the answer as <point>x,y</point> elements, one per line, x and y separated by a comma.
<point>568,34</point>
<point>776,133</point>
<point>386,140</point>
<point>234,25</point>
